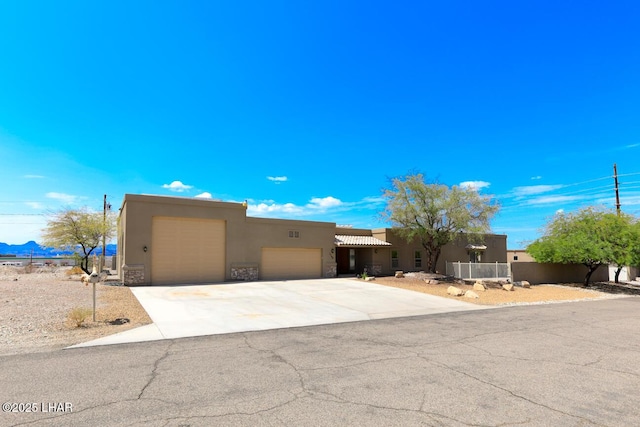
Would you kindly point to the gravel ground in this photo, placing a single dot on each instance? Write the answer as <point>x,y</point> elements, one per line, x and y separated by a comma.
<point>34,309</point>
<point>537,294</point>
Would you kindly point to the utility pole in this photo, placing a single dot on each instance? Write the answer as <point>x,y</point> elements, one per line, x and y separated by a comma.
<point>615,180</point>
<point>104,232</point>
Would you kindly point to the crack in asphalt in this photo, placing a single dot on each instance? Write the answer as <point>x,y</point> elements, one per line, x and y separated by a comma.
<point>331,397</point>
<point>153,374</point>
<point>526,399</point>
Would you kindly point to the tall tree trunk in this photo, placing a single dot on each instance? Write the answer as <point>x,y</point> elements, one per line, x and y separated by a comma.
<point>591,268</point>
<point>432,257</point>
<point>84,264</point>
<point>618,270</point>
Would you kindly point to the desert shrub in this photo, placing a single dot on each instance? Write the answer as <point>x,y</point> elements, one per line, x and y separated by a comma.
<point>74,270</point>
<point>79,314</point>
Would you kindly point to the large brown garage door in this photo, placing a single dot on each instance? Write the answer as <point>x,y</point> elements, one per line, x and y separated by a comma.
<point>291,263</point>
<point>187,250</point>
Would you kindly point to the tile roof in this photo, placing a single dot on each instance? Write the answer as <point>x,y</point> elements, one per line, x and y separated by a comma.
<point>476,247</point>
<point>347,240</point>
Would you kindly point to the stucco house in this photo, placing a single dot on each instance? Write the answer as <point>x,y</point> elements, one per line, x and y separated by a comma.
<point>170,240</point>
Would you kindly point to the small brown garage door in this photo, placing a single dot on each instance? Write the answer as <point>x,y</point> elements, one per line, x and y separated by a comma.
<point>291,263</point>
<point>187,250</point>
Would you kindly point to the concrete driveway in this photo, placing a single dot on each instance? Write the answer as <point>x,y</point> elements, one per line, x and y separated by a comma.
<point>196,310</point>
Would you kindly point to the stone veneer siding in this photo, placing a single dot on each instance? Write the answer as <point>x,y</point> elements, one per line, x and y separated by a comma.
<point>245,272</point>
<point>133,275</point>
<point>374,269</point>
<point>331,270</point>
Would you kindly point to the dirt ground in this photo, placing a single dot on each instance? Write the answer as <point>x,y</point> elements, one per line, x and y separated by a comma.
<point>34,309</point>
<point>496,296</point>
<point>35,306</point>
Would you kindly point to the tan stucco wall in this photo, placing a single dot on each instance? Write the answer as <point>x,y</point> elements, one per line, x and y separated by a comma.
<point>245,237</point>
<point>521,254</point>
<point>274,233</point>
<point>537,273</point>
<point>452,252</point>
<point>347,231</point>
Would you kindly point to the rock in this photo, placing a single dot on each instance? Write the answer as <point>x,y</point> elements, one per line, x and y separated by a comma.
<point>456,292</point>
<point>431,281</point>
<point>478,286</point>
<point>399,274</point>
<point>525,284</point>
<point>369,279</point>
<point>507,287</point>
<point>471,294</point>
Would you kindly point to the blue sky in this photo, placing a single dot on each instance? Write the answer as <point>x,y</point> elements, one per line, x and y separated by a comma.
<point>307,110</point>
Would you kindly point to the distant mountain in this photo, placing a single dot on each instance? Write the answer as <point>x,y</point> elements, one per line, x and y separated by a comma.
<point>32,248</point>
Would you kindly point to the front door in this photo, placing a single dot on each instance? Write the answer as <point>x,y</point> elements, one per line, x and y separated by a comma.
<point>346,260</point>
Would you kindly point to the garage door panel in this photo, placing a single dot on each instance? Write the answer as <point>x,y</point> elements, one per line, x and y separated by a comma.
<point>291,263</point>
<point>187,250</point>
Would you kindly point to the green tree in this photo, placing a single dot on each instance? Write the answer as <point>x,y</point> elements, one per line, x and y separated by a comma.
<point>623,236</point>
<point>78,230</point>
<point>436,214</point>
<point>590,236</point>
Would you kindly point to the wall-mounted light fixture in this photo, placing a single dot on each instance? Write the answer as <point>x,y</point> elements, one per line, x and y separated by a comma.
<point>145,249</point>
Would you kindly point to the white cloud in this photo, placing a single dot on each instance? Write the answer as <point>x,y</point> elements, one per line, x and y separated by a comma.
<point>531,190</point>
<point>62,197</point>
<point>277,179</point>
<point>177,186</point>
<point>374,199</point>
<point>205,195</point>
<point>475,185</point>
<point>33,176</point>
<point>559,211</point>
<point>273,208</point>
<point>535,178</point>
<point>35,205</point>
<point>550,200</point>
<point>316,205</point>
<point>324,203</point>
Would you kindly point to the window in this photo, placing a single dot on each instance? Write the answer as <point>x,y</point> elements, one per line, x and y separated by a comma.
<point>352,260</point>
<point>294,234</point>
<point>394,259</point>
<point>515,257</point>
<point>417,260</point>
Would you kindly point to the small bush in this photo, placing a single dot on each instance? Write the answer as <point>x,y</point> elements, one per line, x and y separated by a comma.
<point>79,314</point>
<point>75,270</point>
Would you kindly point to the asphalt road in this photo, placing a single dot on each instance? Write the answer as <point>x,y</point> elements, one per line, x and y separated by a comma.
<point>569,364</point>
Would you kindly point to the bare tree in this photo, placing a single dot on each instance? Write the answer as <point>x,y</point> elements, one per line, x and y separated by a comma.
<point>78,230</point>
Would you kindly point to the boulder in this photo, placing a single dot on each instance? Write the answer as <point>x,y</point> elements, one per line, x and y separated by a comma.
<point>399,274</point>
<point>508,287</point>
<point>431,281</point>
<point>369,278</point>
<point>456,292</point>
<point>525,284</point>
<point>478,286</point>
<point>471,294</point>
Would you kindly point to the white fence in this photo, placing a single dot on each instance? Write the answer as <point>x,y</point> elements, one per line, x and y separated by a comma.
<point>479,270</point>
